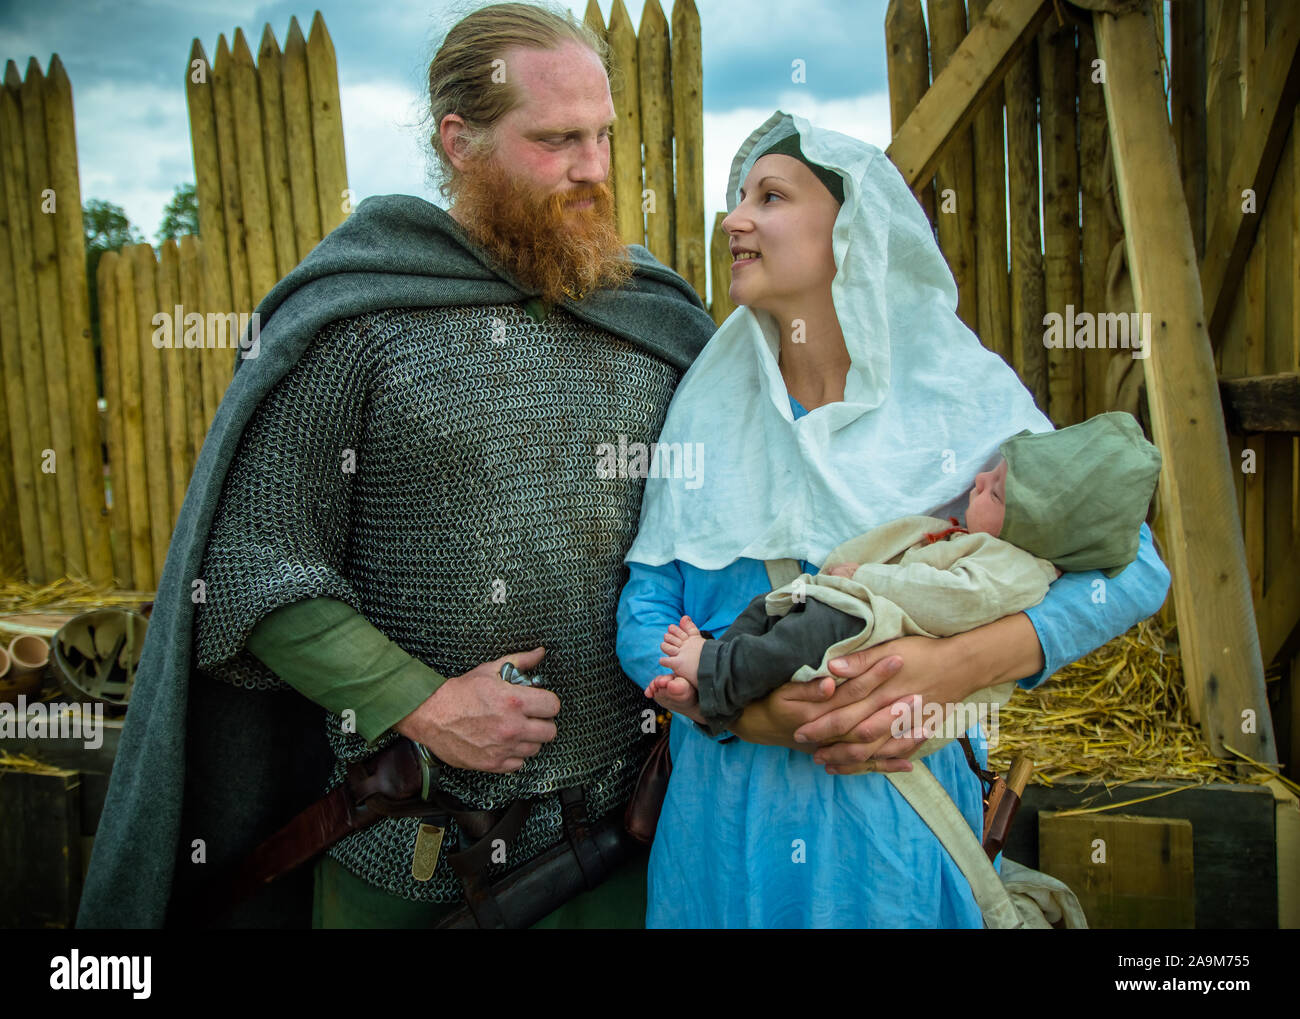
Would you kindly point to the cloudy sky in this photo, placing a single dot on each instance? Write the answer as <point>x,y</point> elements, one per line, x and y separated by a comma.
<point>127,60</point>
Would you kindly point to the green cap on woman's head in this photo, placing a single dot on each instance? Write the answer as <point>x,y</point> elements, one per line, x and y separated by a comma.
<point>789,146</point>
<point>1077,497</point>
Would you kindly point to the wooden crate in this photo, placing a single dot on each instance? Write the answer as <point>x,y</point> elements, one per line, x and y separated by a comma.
<point>1234,841</point>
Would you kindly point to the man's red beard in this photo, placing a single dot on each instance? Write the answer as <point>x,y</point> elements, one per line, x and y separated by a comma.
<point>549,250</point>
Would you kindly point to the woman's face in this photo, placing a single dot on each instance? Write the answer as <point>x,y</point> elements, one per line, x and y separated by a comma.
<point>781,237</point>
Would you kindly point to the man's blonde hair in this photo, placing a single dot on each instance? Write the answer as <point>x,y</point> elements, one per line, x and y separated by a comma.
<point>461,75</point>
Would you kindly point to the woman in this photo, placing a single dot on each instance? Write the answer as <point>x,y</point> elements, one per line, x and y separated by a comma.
<point>844,392</point>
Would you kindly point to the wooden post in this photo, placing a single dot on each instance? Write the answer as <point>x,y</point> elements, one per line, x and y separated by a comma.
<point>18,333</point>
<point>907,61</point>
<point>991,219</point>
<point>130,483</point>
<point>956,174</point>
<point>19,501</point>
<point>191,283</point>
<point>231,196</point>
<point>688,132</point>
<point>279,189</point>
<point>1028,355</point>
<point>1096,236</point>
<point>1252,353</point>
<point>326,126</point>
<point>247,109</point>
<point>214,254</point>
<point>297,126</point>
<point>203,142</point>
<point>172,365</point>
<point>17,190</point>
<point>153,418</point>
<point>1217,635</point>
<point>625,88</point>
<point>63,474</point>
<point>1277,355</point>
<point>1255,339</point>
<point>654,64</point>
<point>75,299</point>
<point>720,269</point>
<point>110,346</point>
<point>1057,75</point>
<point>1187,101</point>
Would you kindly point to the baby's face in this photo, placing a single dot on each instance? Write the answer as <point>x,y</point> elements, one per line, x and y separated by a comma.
<point>987,507</point>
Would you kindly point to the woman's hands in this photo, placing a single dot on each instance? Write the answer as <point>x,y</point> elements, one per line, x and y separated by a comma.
<point>848,729</point>
<point>789,710</point>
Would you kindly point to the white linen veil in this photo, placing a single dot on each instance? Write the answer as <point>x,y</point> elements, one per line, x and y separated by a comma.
<point>925,405</point>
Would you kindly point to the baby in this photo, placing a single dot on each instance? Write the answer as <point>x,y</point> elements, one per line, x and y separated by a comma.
<point>1073,499</point>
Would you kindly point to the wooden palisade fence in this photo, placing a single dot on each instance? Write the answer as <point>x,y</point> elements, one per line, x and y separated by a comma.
<point>51,473</point>
<point>271,181</point>
<point>656,79</point>
<point>1185,223</point>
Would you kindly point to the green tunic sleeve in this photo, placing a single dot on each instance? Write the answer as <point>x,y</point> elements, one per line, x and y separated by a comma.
<point>332,654</point>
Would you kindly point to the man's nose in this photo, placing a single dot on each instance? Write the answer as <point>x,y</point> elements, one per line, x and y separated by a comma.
<point>591,163</point>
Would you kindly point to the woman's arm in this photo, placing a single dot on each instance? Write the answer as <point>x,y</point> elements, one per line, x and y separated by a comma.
<point>1082,611</point>
<point>652,599</point>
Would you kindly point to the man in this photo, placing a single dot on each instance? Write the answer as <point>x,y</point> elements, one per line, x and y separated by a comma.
<point>399,492</point>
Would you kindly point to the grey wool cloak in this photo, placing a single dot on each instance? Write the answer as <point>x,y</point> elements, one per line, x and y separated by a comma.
<point>201,759</point>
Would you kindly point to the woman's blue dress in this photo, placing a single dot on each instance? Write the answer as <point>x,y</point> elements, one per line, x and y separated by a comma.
<point>759,836</point>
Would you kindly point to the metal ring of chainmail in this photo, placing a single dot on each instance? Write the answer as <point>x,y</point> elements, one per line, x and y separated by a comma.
<point>438,470</point>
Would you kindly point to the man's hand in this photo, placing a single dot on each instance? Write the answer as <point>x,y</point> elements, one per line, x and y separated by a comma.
<point>480,722</point>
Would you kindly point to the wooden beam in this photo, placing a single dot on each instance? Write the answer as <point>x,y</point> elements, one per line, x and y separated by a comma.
<point>907,69</point>
<point>1216,619</point>
<point>1279,609</point>
<point>1263,133</point>
<point>978,67</point>
<point>1262,403</point>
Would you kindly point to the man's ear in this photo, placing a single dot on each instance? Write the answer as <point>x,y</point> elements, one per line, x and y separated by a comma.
<point>450,133</point>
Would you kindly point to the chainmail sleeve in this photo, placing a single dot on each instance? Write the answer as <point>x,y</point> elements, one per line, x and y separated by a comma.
<point>281,527</point>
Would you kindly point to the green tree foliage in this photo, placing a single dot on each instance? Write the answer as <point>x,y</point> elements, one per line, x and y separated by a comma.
<point>181,214</point>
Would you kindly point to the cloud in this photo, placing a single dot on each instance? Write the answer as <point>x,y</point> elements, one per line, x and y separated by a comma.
<point>133,147</point>
<point>749,49</point>
<point>386,150</point>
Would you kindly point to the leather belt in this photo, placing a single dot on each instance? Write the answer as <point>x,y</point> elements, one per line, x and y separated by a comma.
<point>401,782</point>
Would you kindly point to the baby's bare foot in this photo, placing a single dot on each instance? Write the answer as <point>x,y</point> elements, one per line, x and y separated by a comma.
<point>673,693</point>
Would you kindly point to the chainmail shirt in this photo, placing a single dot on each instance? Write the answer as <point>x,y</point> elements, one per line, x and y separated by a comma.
<point>439,471</point>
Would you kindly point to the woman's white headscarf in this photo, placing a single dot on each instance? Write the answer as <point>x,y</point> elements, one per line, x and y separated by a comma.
<point>925,405</point>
